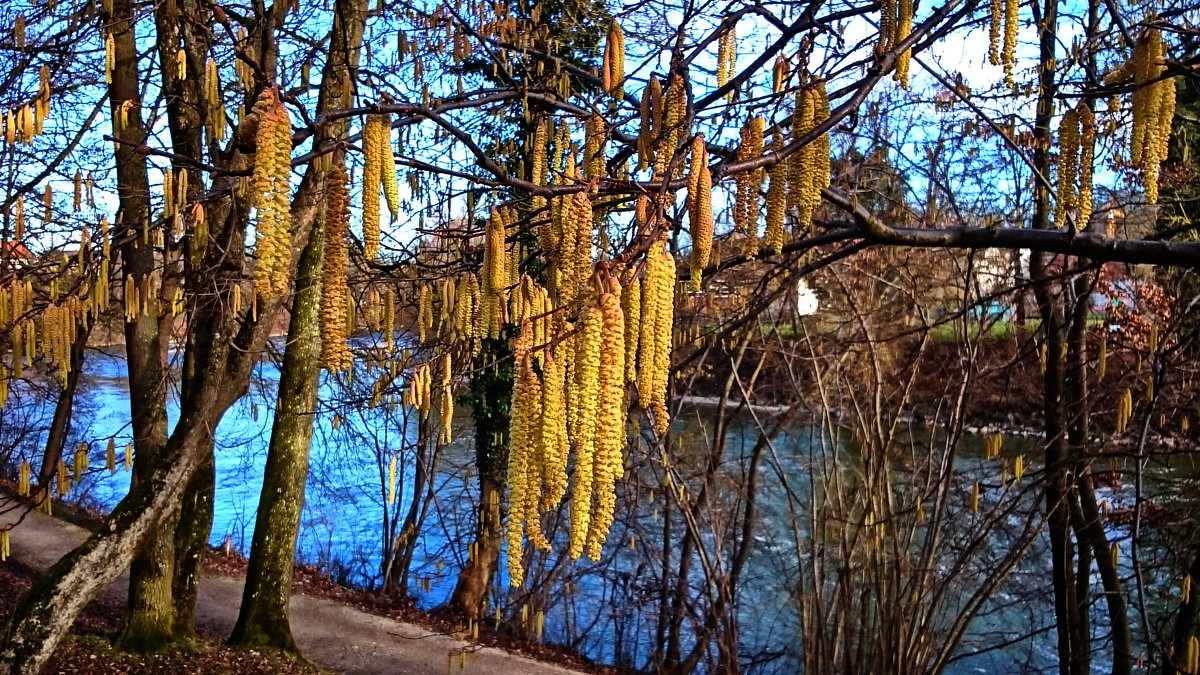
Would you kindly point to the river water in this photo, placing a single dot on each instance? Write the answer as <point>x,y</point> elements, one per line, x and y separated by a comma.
<point>608,616</point>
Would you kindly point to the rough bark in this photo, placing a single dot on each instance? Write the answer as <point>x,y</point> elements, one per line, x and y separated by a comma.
<point>263,620</point>
<point>148,624</point>
<point>192,530</point>
<point>150,610</point>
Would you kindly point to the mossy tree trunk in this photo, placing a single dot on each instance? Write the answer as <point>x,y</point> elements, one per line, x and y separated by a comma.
<point>263,617</point>
<point>263,620</point>
<point>48,610</point>
<point>490,396</point>
<point>148,622</point>
<point>192,530</point>
<point>185,105</point>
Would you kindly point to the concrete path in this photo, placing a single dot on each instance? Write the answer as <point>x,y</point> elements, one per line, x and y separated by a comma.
<point>333,635</point>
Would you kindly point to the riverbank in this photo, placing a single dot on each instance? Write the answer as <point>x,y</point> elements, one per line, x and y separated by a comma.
<point>337,635</point>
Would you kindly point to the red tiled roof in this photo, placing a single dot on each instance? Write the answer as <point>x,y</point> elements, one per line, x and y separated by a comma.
<point>15,249</point>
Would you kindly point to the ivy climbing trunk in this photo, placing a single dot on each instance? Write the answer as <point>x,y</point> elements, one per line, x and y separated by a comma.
<point>490,397</point>
<point>263,620</point>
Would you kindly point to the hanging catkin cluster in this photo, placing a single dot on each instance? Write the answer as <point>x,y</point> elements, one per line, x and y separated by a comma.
<point>272,196</point>
<point>1087,153</point>
<point>673,128</point>
<point>1191,658</point>
<point>904,20</point>
<point>575,225</point>
<point>745,208</point>
<point>1009,55</point>
<point>523,462</point>
<point>419,393</point>
<point>214,101</point>
<point>1124,412</point>
<point>538,442</point>
<point>590,364</point>
<point>631,306</point>
<point>780,72</point>
<point>608,459</point>
<point>593,149</point>
<point>651,122</point>
<point>595,414</point>
<point>79,464</point>
<point>895,25</point>
<point>1068,165</point>
<point>29,120</point>
<point>654,343</point>
<point>335,352</point>
<point>496,271</point>
<point>59,323</point>
<point>726,58</point>
<point>582,404</point>
<point>809,167</point>
<point>530,303</point>
<point>539,146</point>
<point>1076,142</point>
<point>699,202</point>
<point>446,407</point>
<point>15,303</point>
<point>424,312</point>
<point>1153,109</point>
<point>1002,15</point>
<point>776,197</point>
<point>466,309</point>
<point>379,172</point>
<point>613,76</point>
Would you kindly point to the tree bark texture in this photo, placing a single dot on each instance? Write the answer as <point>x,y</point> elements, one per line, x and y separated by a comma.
<point>192,531</point>
<point>263,620</point>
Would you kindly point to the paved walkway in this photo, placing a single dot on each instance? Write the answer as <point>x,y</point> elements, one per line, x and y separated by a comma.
<point>331,634</point>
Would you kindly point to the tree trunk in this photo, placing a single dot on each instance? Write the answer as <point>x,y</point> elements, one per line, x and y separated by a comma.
<point>1073,642</point>
<point>263,620</point>
<point>491,394</point>
<point>1185,620</point>
<point>476,576</point>
<point>149,617</point>
<point>404,545</point>
<point>150,612</point>
<point>192,531</point>
<point>60,424</point>
<point>227,350</point>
